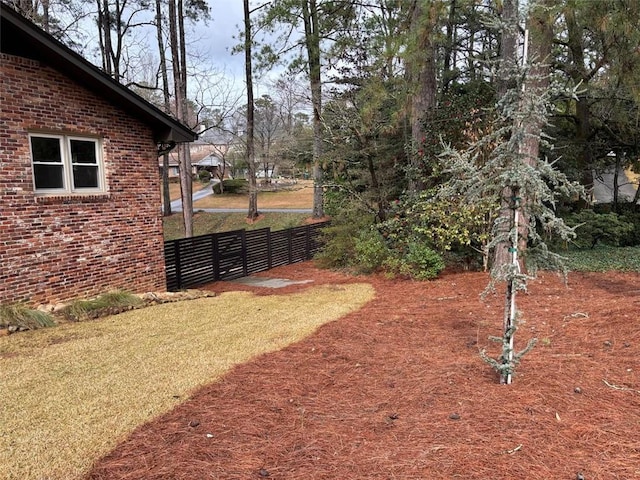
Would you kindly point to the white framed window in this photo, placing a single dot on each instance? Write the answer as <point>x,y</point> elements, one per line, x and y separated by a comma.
<point>66,164</point>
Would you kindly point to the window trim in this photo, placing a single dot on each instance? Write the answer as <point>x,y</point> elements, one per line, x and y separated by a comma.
<point>64,141</point>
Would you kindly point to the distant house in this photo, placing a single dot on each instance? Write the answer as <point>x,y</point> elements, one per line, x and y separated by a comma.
<point>203,152</point>
<point>215,166</point>
<point>79,187</point>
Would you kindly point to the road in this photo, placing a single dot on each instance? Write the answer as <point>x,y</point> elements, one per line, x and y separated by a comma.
<point>176,205</point>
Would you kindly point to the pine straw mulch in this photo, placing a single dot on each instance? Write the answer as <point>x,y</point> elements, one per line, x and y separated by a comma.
<point>397,390</point>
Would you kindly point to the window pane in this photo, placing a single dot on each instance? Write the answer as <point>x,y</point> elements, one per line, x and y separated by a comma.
<point>83,151</point>
<point>85,176</point>
<point>48,176</point>
<point>46,149</point>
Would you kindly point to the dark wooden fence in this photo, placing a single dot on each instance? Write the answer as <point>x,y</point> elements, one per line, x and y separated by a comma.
<point>191,262</point>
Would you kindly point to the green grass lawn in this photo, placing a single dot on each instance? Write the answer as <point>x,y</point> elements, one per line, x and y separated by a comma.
<point>204,223</point>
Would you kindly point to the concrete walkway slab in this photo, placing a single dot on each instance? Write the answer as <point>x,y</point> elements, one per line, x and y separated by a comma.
<point>269,282</point>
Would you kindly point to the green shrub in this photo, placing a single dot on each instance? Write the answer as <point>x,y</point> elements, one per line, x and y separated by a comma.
<point>599,228</point>
<point>339,240</point>
<point>371,252</point>
<point>448,226</point>
<point>204,176</point>
<point>356,242</point>
<point>417,261</point>
<point>633,237</point>
<point>234,186</point>
<point>20,316</point>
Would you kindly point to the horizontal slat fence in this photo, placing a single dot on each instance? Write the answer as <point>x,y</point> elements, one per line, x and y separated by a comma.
<point>190,262</point>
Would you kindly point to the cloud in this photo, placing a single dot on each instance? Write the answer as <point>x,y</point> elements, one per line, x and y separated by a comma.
<point>218,36</point>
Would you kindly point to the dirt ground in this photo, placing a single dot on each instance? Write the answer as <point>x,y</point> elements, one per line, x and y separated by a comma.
<point>398,390</point>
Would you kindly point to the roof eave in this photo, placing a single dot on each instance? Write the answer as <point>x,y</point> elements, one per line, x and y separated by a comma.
<point>166,129</point>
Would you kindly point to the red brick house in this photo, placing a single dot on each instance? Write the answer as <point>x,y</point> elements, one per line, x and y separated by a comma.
<point>79,188</point>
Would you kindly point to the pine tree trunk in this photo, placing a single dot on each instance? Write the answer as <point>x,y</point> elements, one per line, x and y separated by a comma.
<point>537,81</point>
<point>422,68</point>
<point>312,43</point>
<point>506,71</point>
<point>166,197</point>
<point>251,164</point>
<point>580,76</point>
<point>184,158</point>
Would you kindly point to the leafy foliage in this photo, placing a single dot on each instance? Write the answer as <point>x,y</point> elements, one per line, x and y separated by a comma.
<point>349,225</point>
<point>204,176</point>
<point>593,228</point>
<point>633,237</point>
<point>371,252</point>
<point>235,185</point>
<point>444,224</point>
<point>604,259</point>
<point>415,260</point>
<point>352,242</point>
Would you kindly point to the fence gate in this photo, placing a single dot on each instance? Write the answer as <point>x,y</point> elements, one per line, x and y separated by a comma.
<point>190,262</point>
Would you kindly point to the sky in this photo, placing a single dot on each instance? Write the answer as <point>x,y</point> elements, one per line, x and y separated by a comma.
<point>214,41</point>
<point>216,38</point>
<point>210,46</point>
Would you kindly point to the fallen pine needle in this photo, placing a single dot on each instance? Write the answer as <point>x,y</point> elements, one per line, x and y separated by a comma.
<point>617,387</point>
<point>513,450</point>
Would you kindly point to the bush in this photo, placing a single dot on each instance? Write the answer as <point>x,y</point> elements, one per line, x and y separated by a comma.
<point>234,186</point>
<point>593,228</point>
<point>370,251</point>
<point>417,261</point>
<point>355,242</point>
<point>204,176</point>
<point>632,238</point>
<point>341,237</point>
<point>448,226</point>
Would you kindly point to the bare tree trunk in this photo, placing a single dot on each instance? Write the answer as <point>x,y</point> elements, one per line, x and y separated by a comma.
<point>184,160</point>
<point>616,181</point>
<point>312,43</point>
<point>45,16</point>
<point>104,30</point>
<point>508,46</point>
<point>166,197</point>
<point>449,48</point>
<point>580,75</point>
<point>253,190</point>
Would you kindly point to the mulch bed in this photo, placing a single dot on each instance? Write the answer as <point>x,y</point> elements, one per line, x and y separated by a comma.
<point>398,390</point>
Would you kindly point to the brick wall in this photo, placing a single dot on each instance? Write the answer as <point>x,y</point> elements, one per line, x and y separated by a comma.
<point>54,249</point>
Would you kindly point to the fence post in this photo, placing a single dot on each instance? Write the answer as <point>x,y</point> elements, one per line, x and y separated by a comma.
<point>215,258</point>
<point>307,242</point>
<point>269,252</point>
<point>176,247</point>
<point>243,240</point>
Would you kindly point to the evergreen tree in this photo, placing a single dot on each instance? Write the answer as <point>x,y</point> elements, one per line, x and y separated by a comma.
<point>527,186</point>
